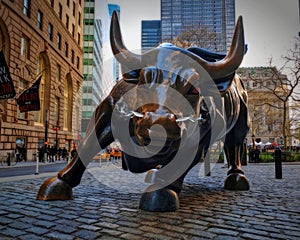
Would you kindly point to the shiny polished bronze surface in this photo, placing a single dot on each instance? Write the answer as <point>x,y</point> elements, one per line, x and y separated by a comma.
<point>163,71</point>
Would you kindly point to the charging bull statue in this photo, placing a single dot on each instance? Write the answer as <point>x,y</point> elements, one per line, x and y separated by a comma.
<point>166,111</point>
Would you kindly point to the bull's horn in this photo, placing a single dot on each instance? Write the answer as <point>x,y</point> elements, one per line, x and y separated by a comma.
<point>123,55</point>
<point>234,57</point>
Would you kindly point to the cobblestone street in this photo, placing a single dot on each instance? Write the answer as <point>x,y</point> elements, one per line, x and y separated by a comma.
<point>270,210</point>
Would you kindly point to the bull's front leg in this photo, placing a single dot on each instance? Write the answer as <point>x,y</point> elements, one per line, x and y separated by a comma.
<point>98,136</point>
<point>236,179</point>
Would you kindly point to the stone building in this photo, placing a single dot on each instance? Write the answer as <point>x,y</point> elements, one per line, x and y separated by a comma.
<point>42,38</point>
<point>264,107</point>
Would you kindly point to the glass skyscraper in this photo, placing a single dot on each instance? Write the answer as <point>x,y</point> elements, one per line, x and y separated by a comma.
<point>151,34</point>
<point>92,63</point>
<point>217,16</point>
<point>116,65</point>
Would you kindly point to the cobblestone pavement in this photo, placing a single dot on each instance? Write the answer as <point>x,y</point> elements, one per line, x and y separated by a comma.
<point>270,210</point>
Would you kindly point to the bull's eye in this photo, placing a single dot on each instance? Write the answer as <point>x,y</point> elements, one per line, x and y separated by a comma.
<point>193,91</point>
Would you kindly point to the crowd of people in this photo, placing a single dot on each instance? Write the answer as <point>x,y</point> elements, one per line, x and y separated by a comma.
<point>53,153</point>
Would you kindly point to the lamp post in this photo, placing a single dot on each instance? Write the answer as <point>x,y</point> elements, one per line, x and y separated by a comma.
<point>253,141</point>
<point>56,136</point>
<point>46,135</point>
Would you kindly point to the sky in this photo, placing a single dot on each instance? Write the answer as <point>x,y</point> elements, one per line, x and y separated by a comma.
<point>270,26</point>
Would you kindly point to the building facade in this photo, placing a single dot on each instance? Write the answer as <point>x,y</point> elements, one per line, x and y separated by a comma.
<point>265,109</point>
<point>216,16</point>
<point>151,34</point>
<point>92,63</point>
<point>42,38</point>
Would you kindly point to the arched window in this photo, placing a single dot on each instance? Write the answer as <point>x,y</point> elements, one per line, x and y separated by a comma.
<point>68,103</point>
<point>39,115</point>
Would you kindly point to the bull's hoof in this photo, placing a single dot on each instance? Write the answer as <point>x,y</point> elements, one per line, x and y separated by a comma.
<point>237,181</point>
<point>55,189</point>
<point>162,200</point>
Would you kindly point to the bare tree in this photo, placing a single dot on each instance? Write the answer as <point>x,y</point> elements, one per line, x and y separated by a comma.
<point>195,36</point>
<point>285,89</point>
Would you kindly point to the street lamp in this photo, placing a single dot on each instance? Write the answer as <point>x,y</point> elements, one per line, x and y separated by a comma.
<point>46,135</point>
<point>56,136</point>
<point>253,141</point>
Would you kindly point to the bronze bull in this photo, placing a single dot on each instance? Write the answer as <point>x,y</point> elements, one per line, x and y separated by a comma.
<point>170,87</point>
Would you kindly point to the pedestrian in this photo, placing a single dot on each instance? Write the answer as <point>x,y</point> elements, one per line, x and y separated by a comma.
<point>256,155</point>
<point>52,153</point>
<point>48,153</point>
<point>17,153</point>
<point>65,153</point>
<point>41,154</point>
<point>23,153</point>
<point>73,152</point>
<point>59,153</point>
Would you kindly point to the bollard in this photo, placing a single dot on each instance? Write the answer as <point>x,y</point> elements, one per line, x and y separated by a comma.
<point>8,159</point>
<point>278,163</point>
<point>37,163</point>
<point>207,163</point>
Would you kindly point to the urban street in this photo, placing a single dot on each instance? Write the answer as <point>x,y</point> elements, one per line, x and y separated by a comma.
<point>269,210</point>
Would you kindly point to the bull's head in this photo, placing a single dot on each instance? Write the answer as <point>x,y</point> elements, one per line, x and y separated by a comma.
<point>172,88</point>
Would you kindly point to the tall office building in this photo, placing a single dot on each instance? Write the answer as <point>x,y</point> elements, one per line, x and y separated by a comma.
<point>217,16</point>
<point>151,34</point>
<point>92,64</point>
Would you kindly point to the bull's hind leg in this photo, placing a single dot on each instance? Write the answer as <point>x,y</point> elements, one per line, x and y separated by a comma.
<point>236,179</point>
<point>99,135</point>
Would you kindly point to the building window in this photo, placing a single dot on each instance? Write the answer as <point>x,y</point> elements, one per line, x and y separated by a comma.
<point>25,46</point>
<point>39,115</point>
<point>60,11</point>
<point>74,8</point>
<point>50,31</point>
<point>79,18</point>
<point>26,7</point>
<point>87,89</point>
<point>73,30</point>
<point>68,3</point>
<point>66,49</point>
<point>72,56</point>
<point>80,2</point>
<point>57,73</point>
<point>40,20</point>
<point>67,21</point>
<point>56,111</point>
<point>78,39</point>
<point>58,41</point>
<point>67,104</point>
<point>52,3</point>
<point>77,62</point>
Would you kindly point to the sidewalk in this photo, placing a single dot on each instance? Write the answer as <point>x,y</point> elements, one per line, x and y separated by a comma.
<point>105,206</point>
<point>31,163</point>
